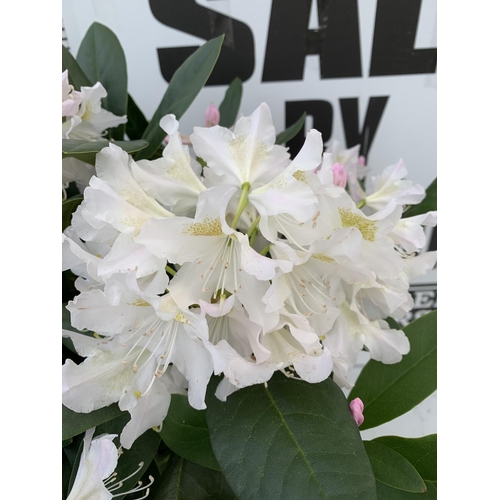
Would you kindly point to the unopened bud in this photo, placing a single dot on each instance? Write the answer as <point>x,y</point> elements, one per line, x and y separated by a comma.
<point>362,161</point>
<point>357,407</point>
<point>339,175</point>
<point>212,116</point>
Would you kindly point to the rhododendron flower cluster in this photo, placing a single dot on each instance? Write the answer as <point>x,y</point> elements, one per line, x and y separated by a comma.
<point>252,263</point>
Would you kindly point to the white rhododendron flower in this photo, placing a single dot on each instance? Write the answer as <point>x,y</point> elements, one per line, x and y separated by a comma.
<point>390,185</point>
<point>91,120</point>
<point>253,264</point>
<point>95,478</point>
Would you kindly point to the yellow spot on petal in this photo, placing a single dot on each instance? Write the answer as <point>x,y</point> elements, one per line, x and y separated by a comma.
<point>140,303</point>
<point>88,112</point>
<point>323,257</point>
<point>300,176</point>
<point>181,318</point>
<point>137,394</point>
<point>367,228</point>
<point>207,227</point>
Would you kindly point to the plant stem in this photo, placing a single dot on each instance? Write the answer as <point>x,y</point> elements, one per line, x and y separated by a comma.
<point>242,204</point>
<point>265,249</point>
<point>170,270</point>
<point>253,231</point>
<point>254,225</point>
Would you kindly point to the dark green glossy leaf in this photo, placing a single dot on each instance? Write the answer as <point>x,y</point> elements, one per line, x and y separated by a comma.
<point>74,147</point>
<point>184,86</point>
<point>136,121</point>
<point>66,473</point>
<point>185,432</point>
<point>393,323</point>
<point>76,76</point>
<point>392,469</point>
<point>161,461</point>
<point>143,450</point>
<point>86,150</point>
<point>291,131</point>
<point>184,480</point>
<point>102,59</point>
<point>75,463</point>
<point>68,207</point>
<point>231,104</point>
<point>389,391</point>
<point>75,423</point>
<point>291,439</point>
<point>420,452</point>
<point>384,492</point>
<point>427,204</point>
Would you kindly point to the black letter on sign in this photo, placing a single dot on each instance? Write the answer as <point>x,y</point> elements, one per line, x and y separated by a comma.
<point>350,119</point>
<point>289,40</point>
<point>394,39</point>
<point>237,54</point>
<point>322,115</point>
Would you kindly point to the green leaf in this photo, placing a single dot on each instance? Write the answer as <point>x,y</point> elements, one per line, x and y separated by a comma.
<point>420,452</point>
<point>76,76</point>
<point>291,131</point>
<point>185,432</point>
<point>184,86</point>
<point>68,207</point>
<point>75,423</point>
<point>392,469</point>
<point>143,450</point>
<point>384,492</point>
<point>291,439</point>
<point>102,59</point>
<point>136,121</point>
<point>388,391</point>
<point>231,104</point>
<point>66,473</point>
<point>184,480</point>
<point>75,147</point>
<point>427,204</point>
<point>77,452</point>
<point>87,150</point>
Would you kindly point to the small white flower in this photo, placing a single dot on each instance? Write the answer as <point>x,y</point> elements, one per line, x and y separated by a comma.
<point>91,120</point>
<point>390,185</point>
<point>95,479</point>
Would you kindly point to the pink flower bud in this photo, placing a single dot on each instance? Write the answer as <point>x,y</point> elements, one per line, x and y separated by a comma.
<point>339,175</point>
<point>362,161</point>
<point>212,116</point>
<point>357,408</point>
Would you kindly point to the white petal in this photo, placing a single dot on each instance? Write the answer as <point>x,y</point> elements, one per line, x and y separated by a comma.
<point>385,345</point>
<point>150,411</point>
